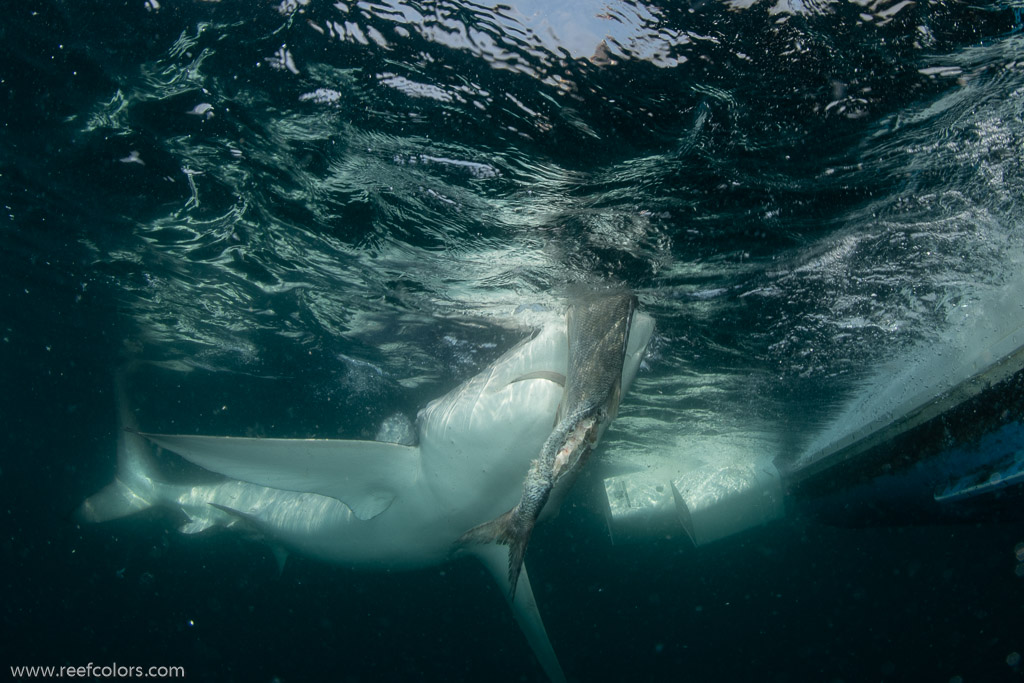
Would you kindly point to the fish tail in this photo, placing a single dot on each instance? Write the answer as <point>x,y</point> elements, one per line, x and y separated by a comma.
<point>499,530</point>
<point>516,556</point>
<point>512,529</point>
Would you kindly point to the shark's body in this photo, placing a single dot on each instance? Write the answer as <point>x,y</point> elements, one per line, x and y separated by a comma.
<point>374,504</point>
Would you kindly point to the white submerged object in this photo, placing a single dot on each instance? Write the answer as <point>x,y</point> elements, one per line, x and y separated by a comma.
<point>709,489</point>
<point>375,504</point>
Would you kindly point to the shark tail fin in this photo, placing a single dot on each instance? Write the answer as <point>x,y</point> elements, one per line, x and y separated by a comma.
<point>511,529</point>
<point>135,485</point>
<point>114,501</point>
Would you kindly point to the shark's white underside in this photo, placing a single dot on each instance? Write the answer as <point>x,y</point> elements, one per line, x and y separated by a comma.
<point>373,504</point>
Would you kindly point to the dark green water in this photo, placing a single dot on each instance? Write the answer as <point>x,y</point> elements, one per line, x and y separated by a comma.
<point>317,214</point>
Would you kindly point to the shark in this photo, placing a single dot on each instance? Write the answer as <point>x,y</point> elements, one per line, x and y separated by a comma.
<point>379,505</point>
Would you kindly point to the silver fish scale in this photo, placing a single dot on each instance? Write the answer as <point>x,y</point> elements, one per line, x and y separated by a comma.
<point>598,328</point>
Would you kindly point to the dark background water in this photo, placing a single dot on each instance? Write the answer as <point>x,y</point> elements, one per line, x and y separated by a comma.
<point>796,191</point>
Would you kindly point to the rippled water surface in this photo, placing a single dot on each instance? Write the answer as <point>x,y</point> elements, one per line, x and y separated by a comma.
<point>343,206</point>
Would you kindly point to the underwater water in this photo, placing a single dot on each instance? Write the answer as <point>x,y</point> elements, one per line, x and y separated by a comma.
<point>306,216</point>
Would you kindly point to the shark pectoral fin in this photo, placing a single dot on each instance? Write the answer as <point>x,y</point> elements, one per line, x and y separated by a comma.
<point>365,475</point>
<point>550,375</point>
<point>524,607</point>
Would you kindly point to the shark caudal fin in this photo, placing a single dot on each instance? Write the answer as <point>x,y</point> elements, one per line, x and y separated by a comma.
<point>524,608</point>
<point>135,485</point>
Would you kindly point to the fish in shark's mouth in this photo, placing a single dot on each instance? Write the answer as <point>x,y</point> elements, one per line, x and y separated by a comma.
<point>598,329</point>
